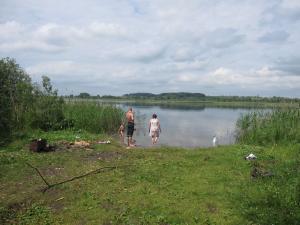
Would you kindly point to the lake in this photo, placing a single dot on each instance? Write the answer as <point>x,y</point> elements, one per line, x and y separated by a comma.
<point>186,126</point>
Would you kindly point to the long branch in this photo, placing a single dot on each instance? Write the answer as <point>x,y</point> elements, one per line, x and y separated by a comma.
<point>86,174</point>
<point>37,170</point>
<point>76,177</point>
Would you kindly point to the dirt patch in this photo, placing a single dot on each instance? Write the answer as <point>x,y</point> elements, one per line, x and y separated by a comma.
<point>82,221</point>
<point>107,223</point>
<point>259,171</point>
<point>71,146</point>
<point>105,156</point>
<point>56,199</point>
<point>107,205</point>
<point>206,158</point>
<point>57,205</point>
<point>52,171</point>
<point>211,208</point>
<point>9,214</point>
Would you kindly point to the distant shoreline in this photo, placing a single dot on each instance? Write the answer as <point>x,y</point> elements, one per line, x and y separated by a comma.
<point>193,103</point>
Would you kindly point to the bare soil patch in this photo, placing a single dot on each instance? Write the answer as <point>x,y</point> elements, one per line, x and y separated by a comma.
<point>105,156</point>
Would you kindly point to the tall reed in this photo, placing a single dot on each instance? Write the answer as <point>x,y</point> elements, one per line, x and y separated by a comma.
<point>93,117</point>
<point>269,127</point>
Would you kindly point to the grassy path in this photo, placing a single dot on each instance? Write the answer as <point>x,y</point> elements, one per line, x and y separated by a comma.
<point>161,186</point>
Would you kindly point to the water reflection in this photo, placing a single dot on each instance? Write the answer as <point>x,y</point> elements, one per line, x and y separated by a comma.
<point>186,127</point>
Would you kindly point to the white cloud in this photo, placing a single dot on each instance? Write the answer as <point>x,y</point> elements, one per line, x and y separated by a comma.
<point>52,37</point>
<point>10,29</point>
<point>168,45</point>
<point>29,46</point>
<point>274,36</point>
<point>190,65</point>
<point>66,68</point>
<point>106,29</point>
<point>187,78</point>
<point>223,38</point>
<point>140,51</point>
<point>291,4</point>
<point>222,72</point>
<point>266,71</point>
<point>262,78</point>
<point>183,53</point>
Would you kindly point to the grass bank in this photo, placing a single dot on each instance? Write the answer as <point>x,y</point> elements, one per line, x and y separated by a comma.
<point>151,185</point>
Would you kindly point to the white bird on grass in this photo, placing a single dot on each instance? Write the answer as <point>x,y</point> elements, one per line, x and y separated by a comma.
<point>215,141</point>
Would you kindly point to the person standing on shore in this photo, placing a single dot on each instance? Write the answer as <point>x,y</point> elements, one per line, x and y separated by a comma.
<point>154,128</point>
<point>121,132</point>
<point>130,126</point>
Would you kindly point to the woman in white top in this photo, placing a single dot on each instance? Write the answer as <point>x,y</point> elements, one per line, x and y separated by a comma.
<point>154,128</point>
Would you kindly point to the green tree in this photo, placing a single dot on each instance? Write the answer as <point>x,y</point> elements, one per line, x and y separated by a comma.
<point>15,97</point>
<point>24,105</point>
<point>84,95</point>
<point>47,113</point>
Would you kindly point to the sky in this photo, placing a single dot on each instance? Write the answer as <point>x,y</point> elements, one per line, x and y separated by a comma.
<point>114,47</point>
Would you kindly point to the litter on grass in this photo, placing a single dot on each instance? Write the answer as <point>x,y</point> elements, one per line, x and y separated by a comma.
<point>104,142</point>
<point>250,157</point>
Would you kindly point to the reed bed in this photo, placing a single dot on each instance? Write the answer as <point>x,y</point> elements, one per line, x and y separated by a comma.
<point>93,116</point>
<point>269,127</point>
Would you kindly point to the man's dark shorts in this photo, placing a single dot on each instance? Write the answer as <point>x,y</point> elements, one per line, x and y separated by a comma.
<point>130,129</point>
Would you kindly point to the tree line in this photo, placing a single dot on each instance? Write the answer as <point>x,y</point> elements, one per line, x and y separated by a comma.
<point>189,96</point>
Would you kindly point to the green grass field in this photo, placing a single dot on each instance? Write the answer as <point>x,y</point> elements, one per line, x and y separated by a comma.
<point>162,185</point>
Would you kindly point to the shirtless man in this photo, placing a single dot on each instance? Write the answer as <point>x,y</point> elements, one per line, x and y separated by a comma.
<point>130,126</point>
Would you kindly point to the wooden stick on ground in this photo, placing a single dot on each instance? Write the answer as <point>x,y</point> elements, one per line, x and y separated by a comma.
<point>76,177</point>
<point>37,170</point>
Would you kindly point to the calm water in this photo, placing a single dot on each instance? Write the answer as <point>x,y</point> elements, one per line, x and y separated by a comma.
<point>186,127</point>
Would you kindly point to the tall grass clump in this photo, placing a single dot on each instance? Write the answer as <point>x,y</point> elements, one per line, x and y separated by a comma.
<point>280,126</point>
<point>93,117</point>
